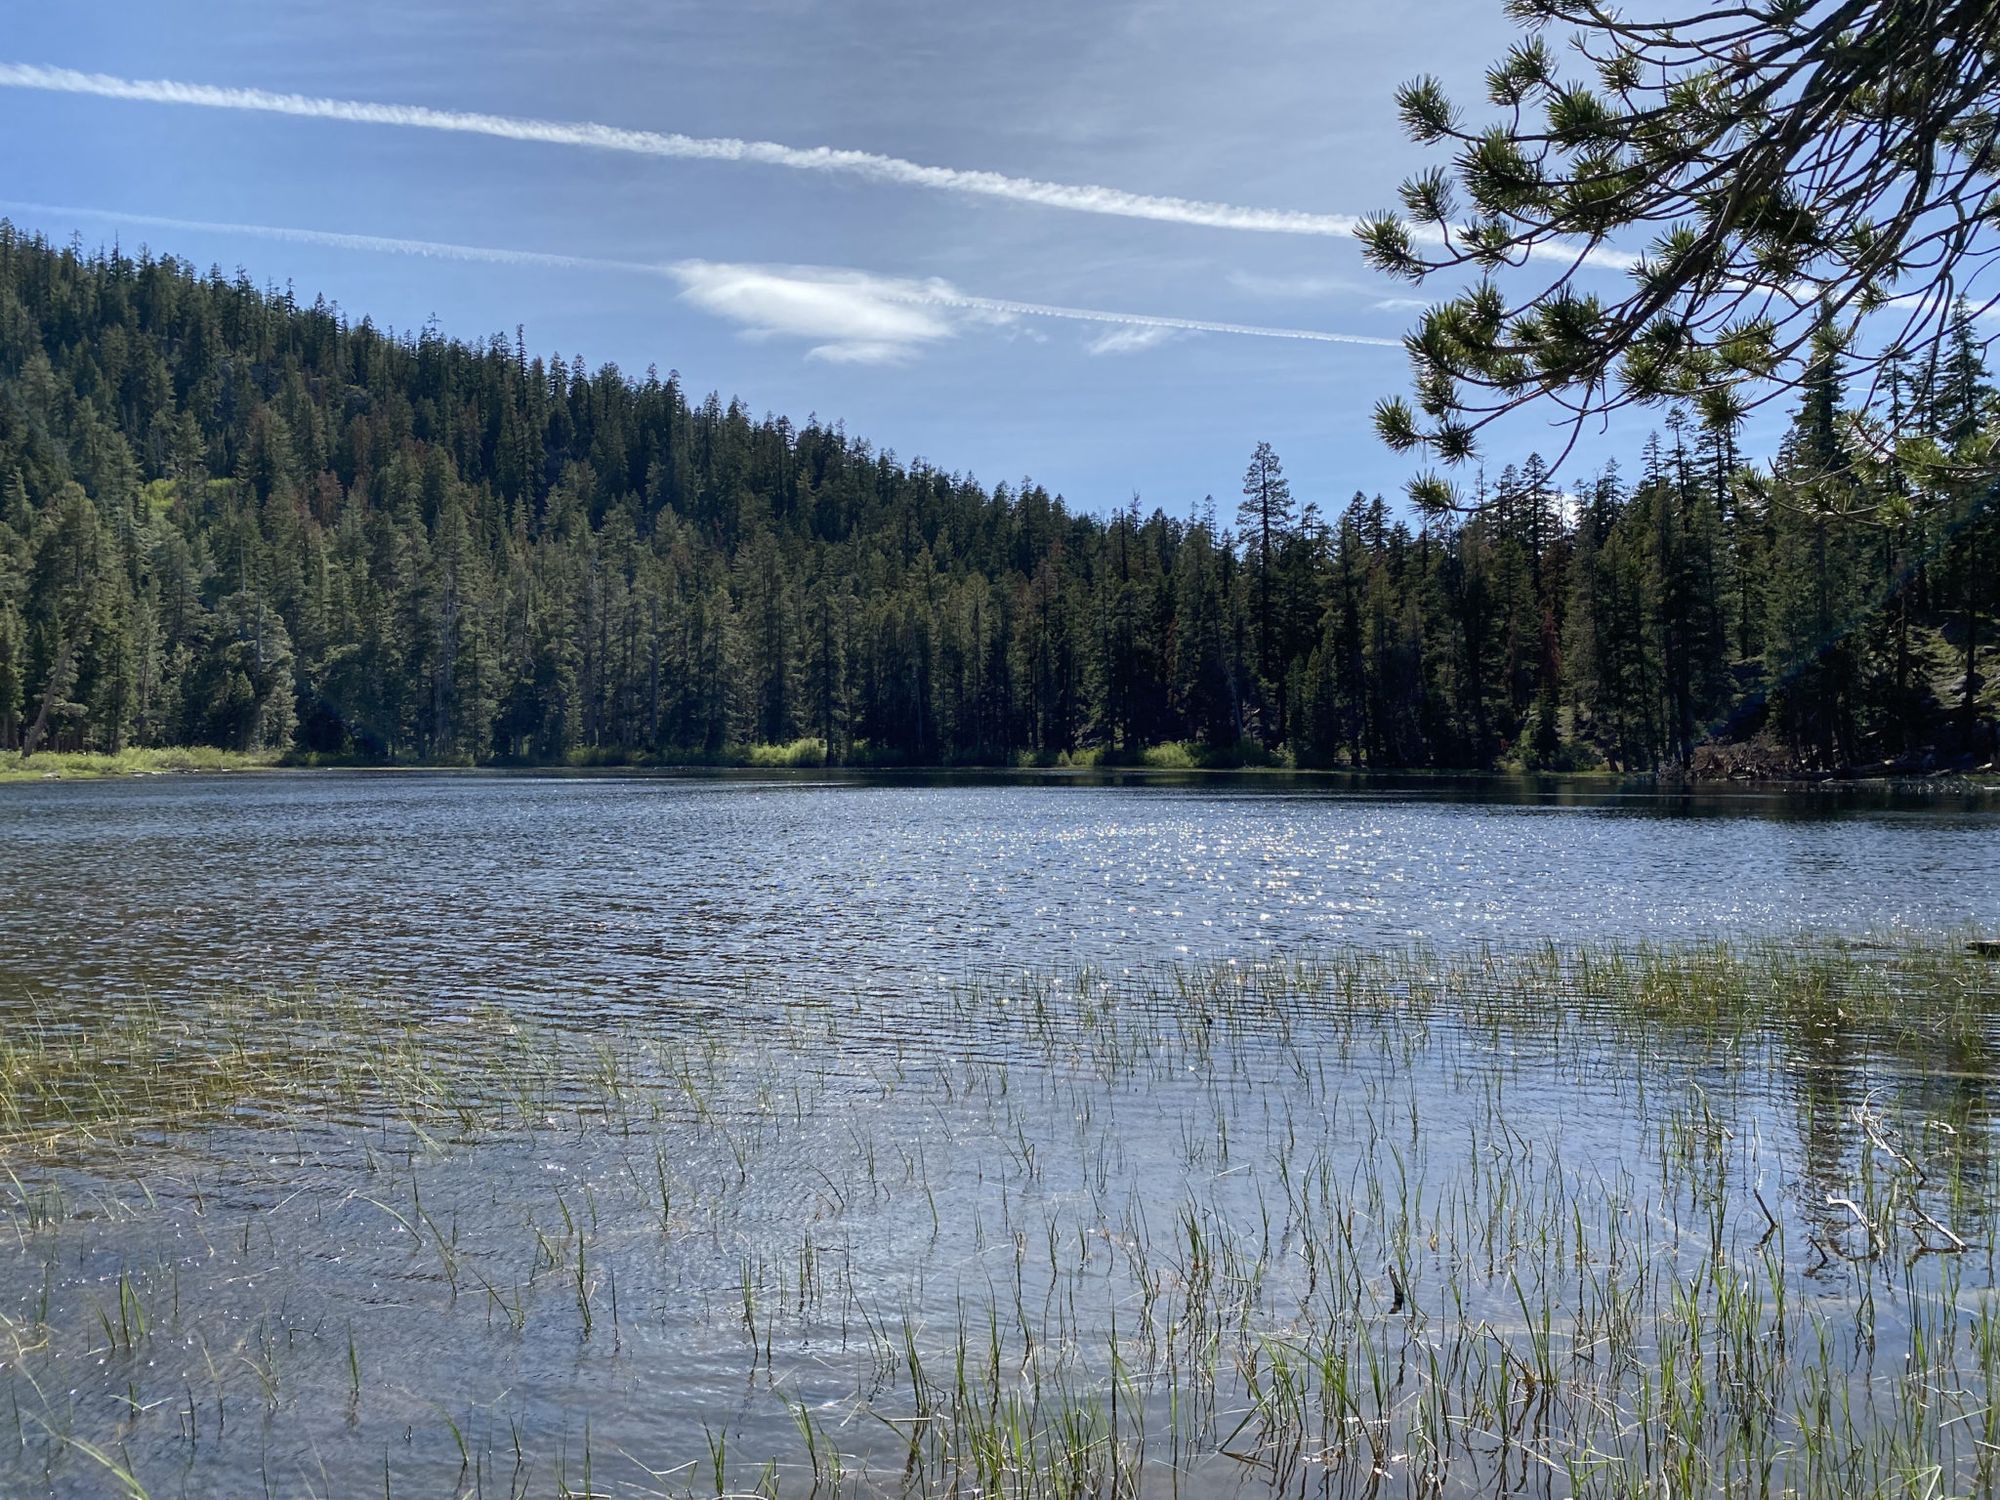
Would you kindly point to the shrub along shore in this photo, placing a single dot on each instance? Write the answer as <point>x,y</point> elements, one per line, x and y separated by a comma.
<point>810,754</point>
<point>50,765</point>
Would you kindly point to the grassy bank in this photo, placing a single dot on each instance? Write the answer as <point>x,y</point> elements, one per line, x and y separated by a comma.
<point>1713,1219</point>
<point>811,753</point>
<point>52,765</point>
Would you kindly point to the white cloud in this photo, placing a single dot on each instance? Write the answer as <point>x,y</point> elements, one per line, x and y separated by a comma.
<point>856,317</point>
<point>1131,340</point>
<point>850,316</point>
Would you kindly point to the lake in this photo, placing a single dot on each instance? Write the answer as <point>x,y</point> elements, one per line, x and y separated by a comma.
<point>417,1135</point>
<point>615,890</point>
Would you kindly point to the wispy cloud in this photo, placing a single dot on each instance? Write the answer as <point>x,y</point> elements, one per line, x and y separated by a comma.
<point>335,240</point>
<point>1149,320</point>
<point>1075,197</point>
<point>844,315</point>
<point>848,316</point>
<point>1130,340</point>
<point>1292,286</point>
<point>1083,198</point>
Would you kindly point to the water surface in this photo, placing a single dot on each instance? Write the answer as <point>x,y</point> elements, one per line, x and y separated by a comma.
<point>726,1137</point>
<point>612,890</point>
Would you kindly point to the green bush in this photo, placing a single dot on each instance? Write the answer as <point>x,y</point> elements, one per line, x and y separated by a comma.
<point>809,751</point>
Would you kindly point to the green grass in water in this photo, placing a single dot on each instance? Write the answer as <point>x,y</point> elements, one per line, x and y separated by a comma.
<point>1629,1221</point>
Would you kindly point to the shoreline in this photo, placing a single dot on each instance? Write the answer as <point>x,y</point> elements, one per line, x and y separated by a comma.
<point>176,760</point>
<point>48,766</point>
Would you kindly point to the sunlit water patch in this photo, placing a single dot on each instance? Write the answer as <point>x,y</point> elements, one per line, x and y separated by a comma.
<point>596,894</point>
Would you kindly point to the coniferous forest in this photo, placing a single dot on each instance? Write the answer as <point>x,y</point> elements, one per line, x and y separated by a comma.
<point>231,518</point>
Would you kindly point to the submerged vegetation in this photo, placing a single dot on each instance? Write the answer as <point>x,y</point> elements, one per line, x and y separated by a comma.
<point>1609,1221</point>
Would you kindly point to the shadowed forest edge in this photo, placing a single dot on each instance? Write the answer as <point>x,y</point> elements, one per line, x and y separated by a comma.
<point>232,520</point>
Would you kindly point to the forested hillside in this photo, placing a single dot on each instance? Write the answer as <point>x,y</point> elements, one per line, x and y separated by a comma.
<point>230,518</point>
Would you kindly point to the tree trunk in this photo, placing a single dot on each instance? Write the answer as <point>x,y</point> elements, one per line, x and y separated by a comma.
<point>1970,704</point>
<point>62,675</point>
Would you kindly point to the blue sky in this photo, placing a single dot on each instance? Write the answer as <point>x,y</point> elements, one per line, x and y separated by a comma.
<point>897,307</point>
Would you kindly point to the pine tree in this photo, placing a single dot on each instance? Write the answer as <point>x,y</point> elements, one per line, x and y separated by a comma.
<point>236,510</point>
<point>1266,518</point>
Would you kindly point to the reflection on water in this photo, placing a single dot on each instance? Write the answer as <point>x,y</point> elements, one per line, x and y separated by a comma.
<point>578,1154</point>
<point>628,890</point>
<point>1369,1228</point>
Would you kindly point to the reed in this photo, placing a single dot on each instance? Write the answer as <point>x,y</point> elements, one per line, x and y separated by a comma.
<point>1622,1221</point>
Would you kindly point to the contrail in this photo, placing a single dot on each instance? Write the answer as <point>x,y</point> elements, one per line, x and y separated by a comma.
<point>931,293</point>
<point>1075,197</point>
<point>373,243</point>
<point>1148,320</point>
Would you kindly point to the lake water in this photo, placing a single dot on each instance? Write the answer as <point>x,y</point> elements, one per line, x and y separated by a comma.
<point>686,1136</point>
<point>608,890</point>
